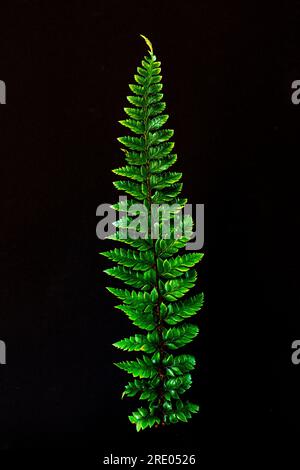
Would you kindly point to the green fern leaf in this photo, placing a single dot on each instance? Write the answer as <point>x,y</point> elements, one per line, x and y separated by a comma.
<point>132,278</point>
<point>140,261</point>
<point>138,316</point>
<point>158,276</point>
<point>178,337</point>
<point>179,311</point>
<point>139,368</point>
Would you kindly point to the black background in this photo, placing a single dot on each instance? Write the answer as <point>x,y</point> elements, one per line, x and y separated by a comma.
<point>227,71</point>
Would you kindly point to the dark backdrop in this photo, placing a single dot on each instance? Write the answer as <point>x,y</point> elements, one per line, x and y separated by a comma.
<point>227,71</point>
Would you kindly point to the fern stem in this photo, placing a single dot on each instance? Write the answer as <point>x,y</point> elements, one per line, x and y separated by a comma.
<point>161,348</point>
<point>159,326</point>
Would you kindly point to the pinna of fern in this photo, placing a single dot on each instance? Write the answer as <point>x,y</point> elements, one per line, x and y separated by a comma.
<point>157,275</point>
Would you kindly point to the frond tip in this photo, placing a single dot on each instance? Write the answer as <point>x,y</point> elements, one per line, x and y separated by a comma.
<point>149,44</point>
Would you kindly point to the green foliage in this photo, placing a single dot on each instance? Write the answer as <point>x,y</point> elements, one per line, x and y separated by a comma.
<point>157,275</point>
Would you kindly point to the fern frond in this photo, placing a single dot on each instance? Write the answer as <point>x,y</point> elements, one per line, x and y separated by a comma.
<point>159,277</point>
